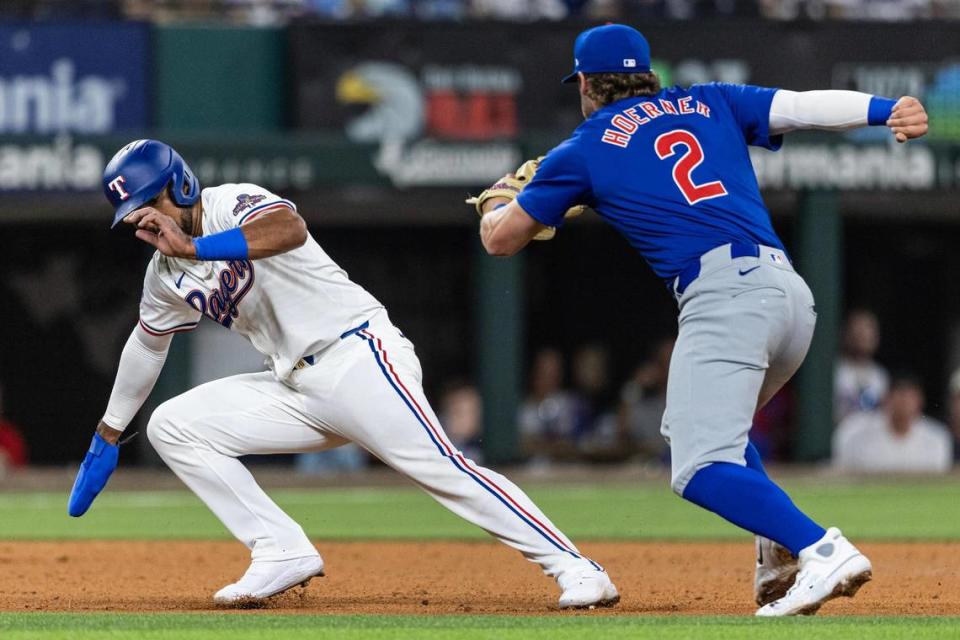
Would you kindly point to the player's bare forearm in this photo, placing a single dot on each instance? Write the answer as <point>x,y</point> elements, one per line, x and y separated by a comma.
<point>108,433</point>
<point>489,222</point>
<point>281,231</point>
<point>276,233</point>
<point>507,230</point>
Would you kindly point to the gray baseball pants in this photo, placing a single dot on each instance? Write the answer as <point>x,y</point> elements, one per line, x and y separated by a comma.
<point>745,327</point>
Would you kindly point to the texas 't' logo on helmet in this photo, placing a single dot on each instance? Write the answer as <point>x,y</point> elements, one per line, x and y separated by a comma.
<point>117,185</point>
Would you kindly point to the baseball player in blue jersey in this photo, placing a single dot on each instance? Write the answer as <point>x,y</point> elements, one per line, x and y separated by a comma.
<point>670,170</point>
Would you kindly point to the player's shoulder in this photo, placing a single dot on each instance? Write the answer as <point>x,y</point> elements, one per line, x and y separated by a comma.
<point>713,87</point>
<point>710,90</point>
<point>734,93</point>
<point>570,149</point>
<point>229,188</point>
<point>237,201</point>
<point>569,145</point>
<point>242,194</point>
<point>571,156</point>
<point>678,90</point>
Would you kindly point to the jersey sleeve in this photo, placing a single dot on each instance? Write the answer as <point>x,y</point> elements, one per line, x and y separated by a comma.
<point>561,182</point>
<point>161,312</point>
<point>238,204</point>
<point>750,106</point>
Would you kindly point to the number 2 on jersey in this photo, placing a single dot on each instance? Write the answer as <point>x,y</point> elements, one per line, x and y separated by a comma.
<point>666,146</point>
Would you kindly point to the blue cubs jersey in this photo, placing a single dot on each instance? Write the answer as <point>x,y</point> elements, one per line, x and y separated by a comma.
<point>671,172</point>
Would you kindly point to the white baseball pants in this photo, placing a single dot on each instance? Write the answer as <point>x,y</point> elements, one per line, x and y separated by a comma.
<point>365,389</point>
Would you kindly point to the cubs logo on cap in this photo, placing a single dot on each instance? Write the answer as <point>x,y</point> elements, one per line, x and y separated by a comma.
<point>612,48</point>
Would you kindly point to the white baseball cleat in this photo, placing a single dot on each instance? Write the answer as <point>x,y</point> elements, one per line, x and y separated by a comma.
<point>829,568</point>
<point>587,589</point>
<point>264,579</point>
<point>775,573</point>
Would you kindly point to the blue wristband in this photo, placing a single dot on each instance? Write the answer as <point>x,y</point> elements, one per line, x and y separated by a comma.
<point>879,110</point>
<point>226,245</point>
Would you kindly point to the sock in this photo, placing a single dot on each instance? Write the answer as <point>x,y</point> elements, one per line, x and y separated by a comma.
<point>750,500</point>
<point>753,459</point>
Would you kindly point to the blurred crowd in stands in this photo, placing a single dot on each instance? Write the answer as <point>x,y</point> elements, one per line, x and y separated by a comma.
<point>13,449</point>
<point>880,425</point>
<point>592,420</point>
<point>879,419</point>
<point>573,410</point>
<point>279,11</point>
<point>574,413</point>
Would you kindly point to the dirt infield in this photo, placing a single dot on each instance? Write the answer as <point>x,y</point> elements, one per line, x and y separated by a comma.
<point>447,577</point>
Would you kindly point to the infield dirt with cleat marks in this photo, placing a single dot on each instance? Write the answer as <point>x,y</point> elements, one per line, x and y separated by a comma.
<point>449,577</point>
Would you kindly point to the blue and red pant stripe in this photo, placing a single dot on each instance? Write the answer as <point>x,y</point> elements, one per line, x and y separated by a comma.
<point>455,457</point>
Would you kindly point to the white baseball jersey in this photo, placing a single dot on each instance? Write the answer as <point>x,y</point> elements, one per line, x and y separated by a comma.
<point>289,306</point>
<point>365,387</point>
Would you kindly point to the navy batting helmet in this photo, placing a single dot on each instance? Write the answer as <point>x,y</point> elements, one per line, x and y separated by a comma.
<point>140,172</point>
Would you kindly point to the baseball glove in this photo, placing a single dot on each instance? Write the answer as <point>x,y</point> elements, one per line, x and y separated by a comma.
<point>510,186</point>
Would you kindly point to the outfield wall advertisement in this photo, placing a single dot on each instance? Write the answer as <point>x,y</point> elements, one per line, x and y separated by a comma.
<point>90,78</point>
<point>457,82</point>
<point>446,105</point>
<point>440,105</point>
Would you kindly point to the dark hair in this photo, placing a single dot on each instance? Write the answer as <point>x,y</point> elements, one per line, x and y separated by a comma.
<point>605,88</point>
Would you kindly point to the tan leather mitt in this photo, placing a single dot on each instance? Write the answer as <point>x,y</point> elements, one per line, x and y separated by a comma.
<point>510,186</point>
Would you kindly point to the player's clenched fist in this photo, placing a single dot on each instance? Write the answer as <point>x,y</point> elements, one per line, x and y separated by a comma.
<point>908,119</point>
<point>162,232</point>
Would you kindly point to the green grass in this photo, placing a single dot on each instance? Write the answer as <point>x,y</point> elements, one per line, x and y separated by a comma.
<point>264,627</point>
<point>901,510</point>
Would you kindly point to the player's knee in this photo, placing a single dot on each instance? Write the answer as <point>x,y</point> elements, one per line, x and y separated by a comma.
<point>690,465</point>
<point>681,476</point>
<point>678,485</point>
<point>162,428</point>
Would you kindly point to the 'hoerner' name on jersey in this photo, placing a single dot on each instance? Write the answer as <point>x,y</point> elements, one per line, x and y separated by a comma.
<point>670,171</point>
<point>290,305</point>
<point>629,120</point>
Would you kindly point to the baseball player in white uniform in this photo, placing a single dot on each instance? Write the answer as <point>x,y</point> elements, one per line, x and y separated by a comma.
<point>340,372</point>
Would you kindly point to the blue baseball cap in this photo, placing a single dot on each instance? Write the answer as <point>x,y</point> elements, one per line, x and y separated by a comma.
<point>612,48</point>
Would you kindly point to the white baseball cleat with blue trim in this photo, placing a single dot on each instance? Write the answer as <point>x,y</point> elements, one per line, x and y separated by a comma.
<point>587,589</point>
<point>265,579</point>
<point>829,568</point>
<point>775,573</point>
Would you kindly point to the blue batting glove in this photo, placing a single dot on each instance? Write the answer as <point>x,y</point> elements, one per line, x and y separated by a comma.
<point>95,470</point>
